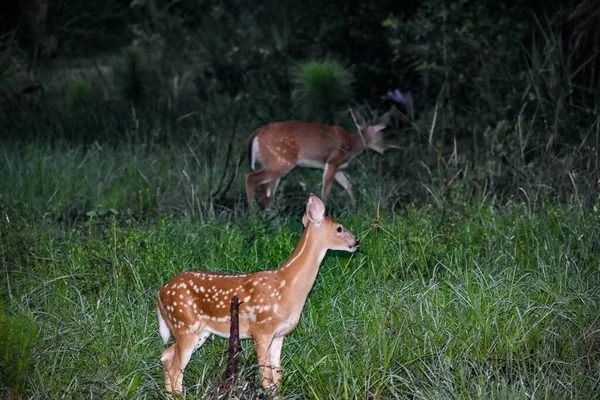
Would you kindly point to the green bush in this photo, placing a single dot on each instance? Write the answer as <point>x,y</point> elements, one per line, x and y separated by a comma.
<point>321,88</point>
<point>18,335</point>
<point>465,54</point>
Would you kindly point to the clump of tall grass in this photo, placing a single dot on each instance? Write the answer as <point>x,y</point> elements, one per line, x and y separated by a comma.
<point>321,88</point>
<point>18,336</point>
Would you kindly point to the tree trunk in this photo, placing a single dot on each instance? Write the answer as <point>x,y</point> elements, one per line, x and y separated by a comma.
<point>34,14</point>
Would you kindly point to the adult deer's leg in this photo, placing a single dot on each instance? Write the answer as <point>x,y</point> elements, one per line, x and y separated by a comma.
<point>269,193</point>
<point>328,175</point>
<point>342,179</point>
<point>257,178</point>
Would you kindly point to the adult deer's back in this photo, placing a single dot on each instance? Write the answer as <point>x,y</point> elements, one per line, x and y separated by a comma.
<point>281,146</point>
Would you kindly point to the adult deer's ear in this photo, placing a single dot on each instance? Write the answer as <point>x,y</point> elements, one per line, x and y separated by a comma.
<point>359,121</point>
<point>383,121</point>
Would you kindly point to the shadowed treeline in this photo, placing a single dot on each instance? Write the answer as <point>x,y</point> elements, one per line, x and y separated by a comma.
<point>501,95</point>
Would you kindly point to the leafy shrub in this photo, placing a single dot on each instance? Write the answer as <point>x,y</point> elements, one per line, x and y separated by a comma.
<point>461,53</point>
<point>321,88</point>
<point>18,335</point>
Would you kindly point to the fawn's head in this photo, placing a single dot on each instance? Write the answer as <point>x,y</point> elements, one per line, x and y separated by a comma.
<point>373,133</point>
<point>325,229</point>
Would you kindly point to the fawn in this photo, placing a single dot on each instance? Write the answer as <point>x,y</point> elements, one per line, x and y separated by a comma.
<point>194,305</point>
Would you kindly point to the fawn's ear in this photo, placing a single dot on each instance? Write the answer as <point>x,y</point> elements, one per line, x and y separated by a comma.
<point>315,211</point>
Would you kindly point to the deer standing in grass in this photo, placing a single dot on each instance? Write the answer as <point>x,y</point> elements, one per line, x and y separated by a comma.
<point>194,305</point>
<point>281,146</point>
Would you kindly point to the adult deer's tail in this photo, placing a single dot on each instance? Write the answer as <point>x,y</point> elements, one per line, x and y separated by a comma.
<point>252,149</point>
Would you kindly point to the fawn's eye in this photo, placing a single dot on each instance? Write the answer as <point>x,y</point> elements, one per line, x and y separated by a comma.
<point>339,229</point>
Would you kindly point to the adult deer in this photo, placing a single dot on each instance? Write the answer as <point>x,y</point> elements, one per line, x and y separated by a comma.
<point>281,146</point>
<point>194,305</point>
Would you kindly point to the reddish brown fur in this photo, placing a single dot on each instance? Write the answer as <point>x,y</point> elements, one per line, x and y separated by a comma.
<point>281,146</point>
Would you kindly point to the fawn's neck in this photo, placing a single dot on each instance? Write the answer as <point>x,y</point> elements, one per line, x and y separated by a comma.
<point>300,270</point>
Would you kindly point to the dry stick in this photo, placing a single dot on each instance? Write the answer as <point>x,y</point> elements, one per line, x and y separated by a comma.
<point>234,348</point>
<point>220,192</point>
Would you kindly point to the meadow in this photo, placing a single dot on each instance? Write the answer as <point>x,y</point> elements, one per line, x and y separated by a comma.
<point>461,296</point>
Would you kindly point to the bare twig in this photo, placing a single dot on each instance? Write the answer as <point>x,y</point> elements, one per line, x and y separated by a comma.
<point>224,185</point>
<point>234,348</point>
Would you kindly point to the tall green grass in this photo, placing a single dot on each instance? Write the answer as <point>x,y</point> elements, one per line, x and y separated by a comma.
<point>474,300</point>
<point>65,183</point>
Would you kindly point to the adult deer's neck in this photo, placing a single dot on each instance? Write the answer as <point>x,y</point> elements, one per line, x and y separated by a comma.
<point>359,143</point>
<point>300,270</point>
